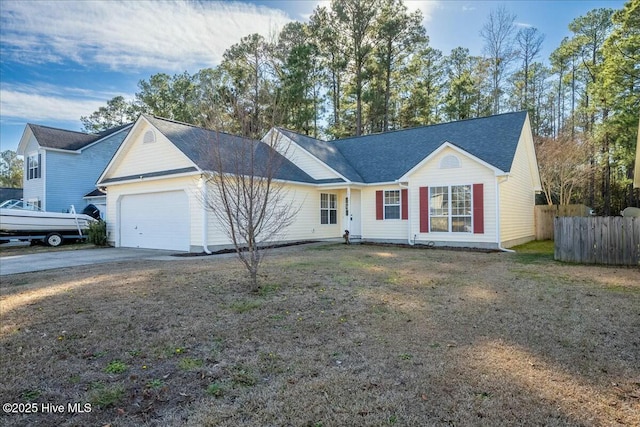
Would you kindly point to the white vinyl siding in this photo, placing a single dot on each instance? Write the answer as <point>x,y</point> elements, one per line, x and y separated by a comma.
<point>376,229</point>
<point>139,158</point>
<point>517,196</point>
<point>470,172</point>
<point>301,158</point>
<point>34,189</point>
<point>306,226</point>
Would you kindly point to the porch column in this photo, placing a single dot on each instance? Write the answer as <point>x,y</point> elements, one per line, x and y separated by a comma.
<point>350,207</point>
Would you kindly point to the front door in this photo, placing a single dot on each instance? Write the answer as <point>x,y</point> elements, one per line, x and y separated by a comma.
<point>352,214</point>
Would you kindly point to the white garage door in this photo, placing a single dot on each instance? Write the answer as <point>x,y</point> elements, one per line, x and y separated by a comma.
<point>155,221</point>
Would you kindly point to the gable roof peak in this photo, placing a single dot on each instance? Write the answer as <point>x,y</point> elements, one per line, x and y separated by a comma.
<point>191,125</point>
<point>70,140</point>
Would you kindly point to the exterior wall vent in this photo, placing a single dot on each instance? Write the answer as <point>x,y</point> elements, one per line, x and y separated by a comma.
<point>149,137</point>
<point>449,162</point>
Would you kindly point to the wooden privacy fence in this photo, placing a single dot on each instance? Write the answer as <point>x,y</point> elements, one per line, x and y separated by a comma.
<point>612,240</point>
<point>544,215</point>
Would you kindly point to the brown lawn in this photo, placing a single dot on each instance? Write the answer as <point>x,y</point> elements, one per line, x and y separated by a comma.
<point>359,335</point>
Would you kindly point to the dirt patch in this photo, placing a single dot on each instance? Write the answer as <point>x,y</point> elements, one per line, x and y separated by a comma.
<point>338,335</point>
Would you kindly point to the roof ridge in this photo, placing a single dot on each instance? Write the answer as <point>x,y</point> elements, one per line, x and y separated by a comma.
<point>191,125</point>
<point>60,129</point>
<point>298,133</point>
<point>112,130</point>
<point>427,126</point>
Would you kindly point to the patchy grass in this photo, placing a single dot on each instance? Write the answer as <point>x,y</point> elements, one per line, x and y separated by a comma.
<point>116,367</point>
<point>536,251</point>
<point>343,335</point>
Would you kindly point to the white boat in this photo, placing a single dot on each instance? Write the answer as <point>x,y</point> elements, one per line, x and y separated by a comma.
<point>19,219</point>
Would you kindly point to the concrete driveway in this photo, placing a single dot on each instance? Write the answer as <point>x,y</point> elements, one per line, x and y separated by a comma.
<point>49,260</point>
<point>27,263</point>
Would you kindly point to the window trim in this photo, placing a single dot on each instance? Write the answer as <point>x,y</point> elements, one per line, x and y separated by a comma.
<point>34,172</point>
<point>385,204</point>
<point>449,214</point>
<point>331,208</point>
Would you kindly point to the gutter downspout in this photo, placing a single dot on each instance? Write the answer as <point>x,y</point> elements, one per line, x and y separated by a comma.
<point>205,222</point>
<point>498,218</point>
<point>408,216</point>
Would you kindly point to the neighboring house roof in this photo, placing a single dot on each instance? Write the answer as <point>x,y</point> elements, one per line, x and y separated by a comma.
<point>202,146</point>
<point>95,193</point>
<point>62,139</point>
<point>385,157</point>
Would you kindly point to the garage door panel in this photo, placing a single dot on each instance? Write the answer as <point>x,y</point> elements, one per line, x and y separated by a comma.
<point>155,221</point>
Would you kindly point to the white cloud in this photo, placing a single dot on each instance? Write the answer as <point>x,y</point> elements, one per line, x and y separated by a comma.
<point>169,35</point>
<point>523,25</point>
<point>46,103</point>
<point>427,7</point>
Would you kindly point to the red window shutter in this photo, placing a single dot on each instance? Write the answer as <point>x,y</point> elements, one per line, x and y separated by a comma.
<point>379,205</point>
<point>478,208</point>
<point>424,209</point>
<point>404,203</point>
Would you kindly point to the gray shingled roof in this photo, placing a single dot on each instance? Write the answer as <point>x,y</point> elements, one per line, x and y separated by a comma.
<point>202,145</point>
<point>385,157</point>
<point>49,137</point>
<point>325,151</point>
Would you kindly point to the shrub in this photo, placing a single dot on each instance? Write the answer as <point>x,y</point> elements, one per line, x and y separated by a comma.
<point>97,233</point>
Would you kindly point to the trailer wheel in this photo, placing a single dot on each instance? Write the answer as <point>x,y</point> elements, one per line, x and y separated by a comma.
<point>53,239</point>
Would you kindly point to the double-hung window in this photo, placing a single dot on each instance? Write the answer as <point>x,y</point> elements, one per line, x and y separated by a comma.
<point>328,208</point>
<point>33,167</point>
<point>392,204</point>
<point>450,209</point>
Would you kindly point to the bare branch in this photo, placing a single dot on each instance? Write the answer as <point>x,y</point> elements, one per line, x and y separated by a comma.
<point>247,195</point>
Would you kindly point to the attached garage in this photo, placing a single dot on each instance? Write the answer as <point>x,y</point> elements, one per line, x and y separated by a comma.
<point>155,221</point>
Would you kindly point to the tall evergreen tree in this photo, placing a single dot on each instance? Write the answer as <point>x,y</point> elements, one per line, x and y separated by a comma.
<point>422,87</point>
<point>356,19</point>
<point>118,111</point>
<point>619,89</point>
<point>398,32</point>
<point>529,42</point>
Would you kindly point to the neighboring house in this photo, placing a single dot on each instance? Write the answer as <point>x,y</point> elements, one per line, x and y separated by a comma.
<point>470,183</point>
<point>10,193</point>
<point>62,166</point>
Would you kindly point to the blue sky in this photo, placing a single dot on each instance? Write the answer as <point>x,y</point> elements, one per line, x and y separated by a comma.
<point>64,59</point>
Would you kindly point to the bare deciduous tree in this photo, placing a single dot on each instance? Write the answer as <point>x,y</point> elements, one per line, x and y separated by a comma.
<point>497,34</point>
<point>247,196</point>
<point>564,166</point>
